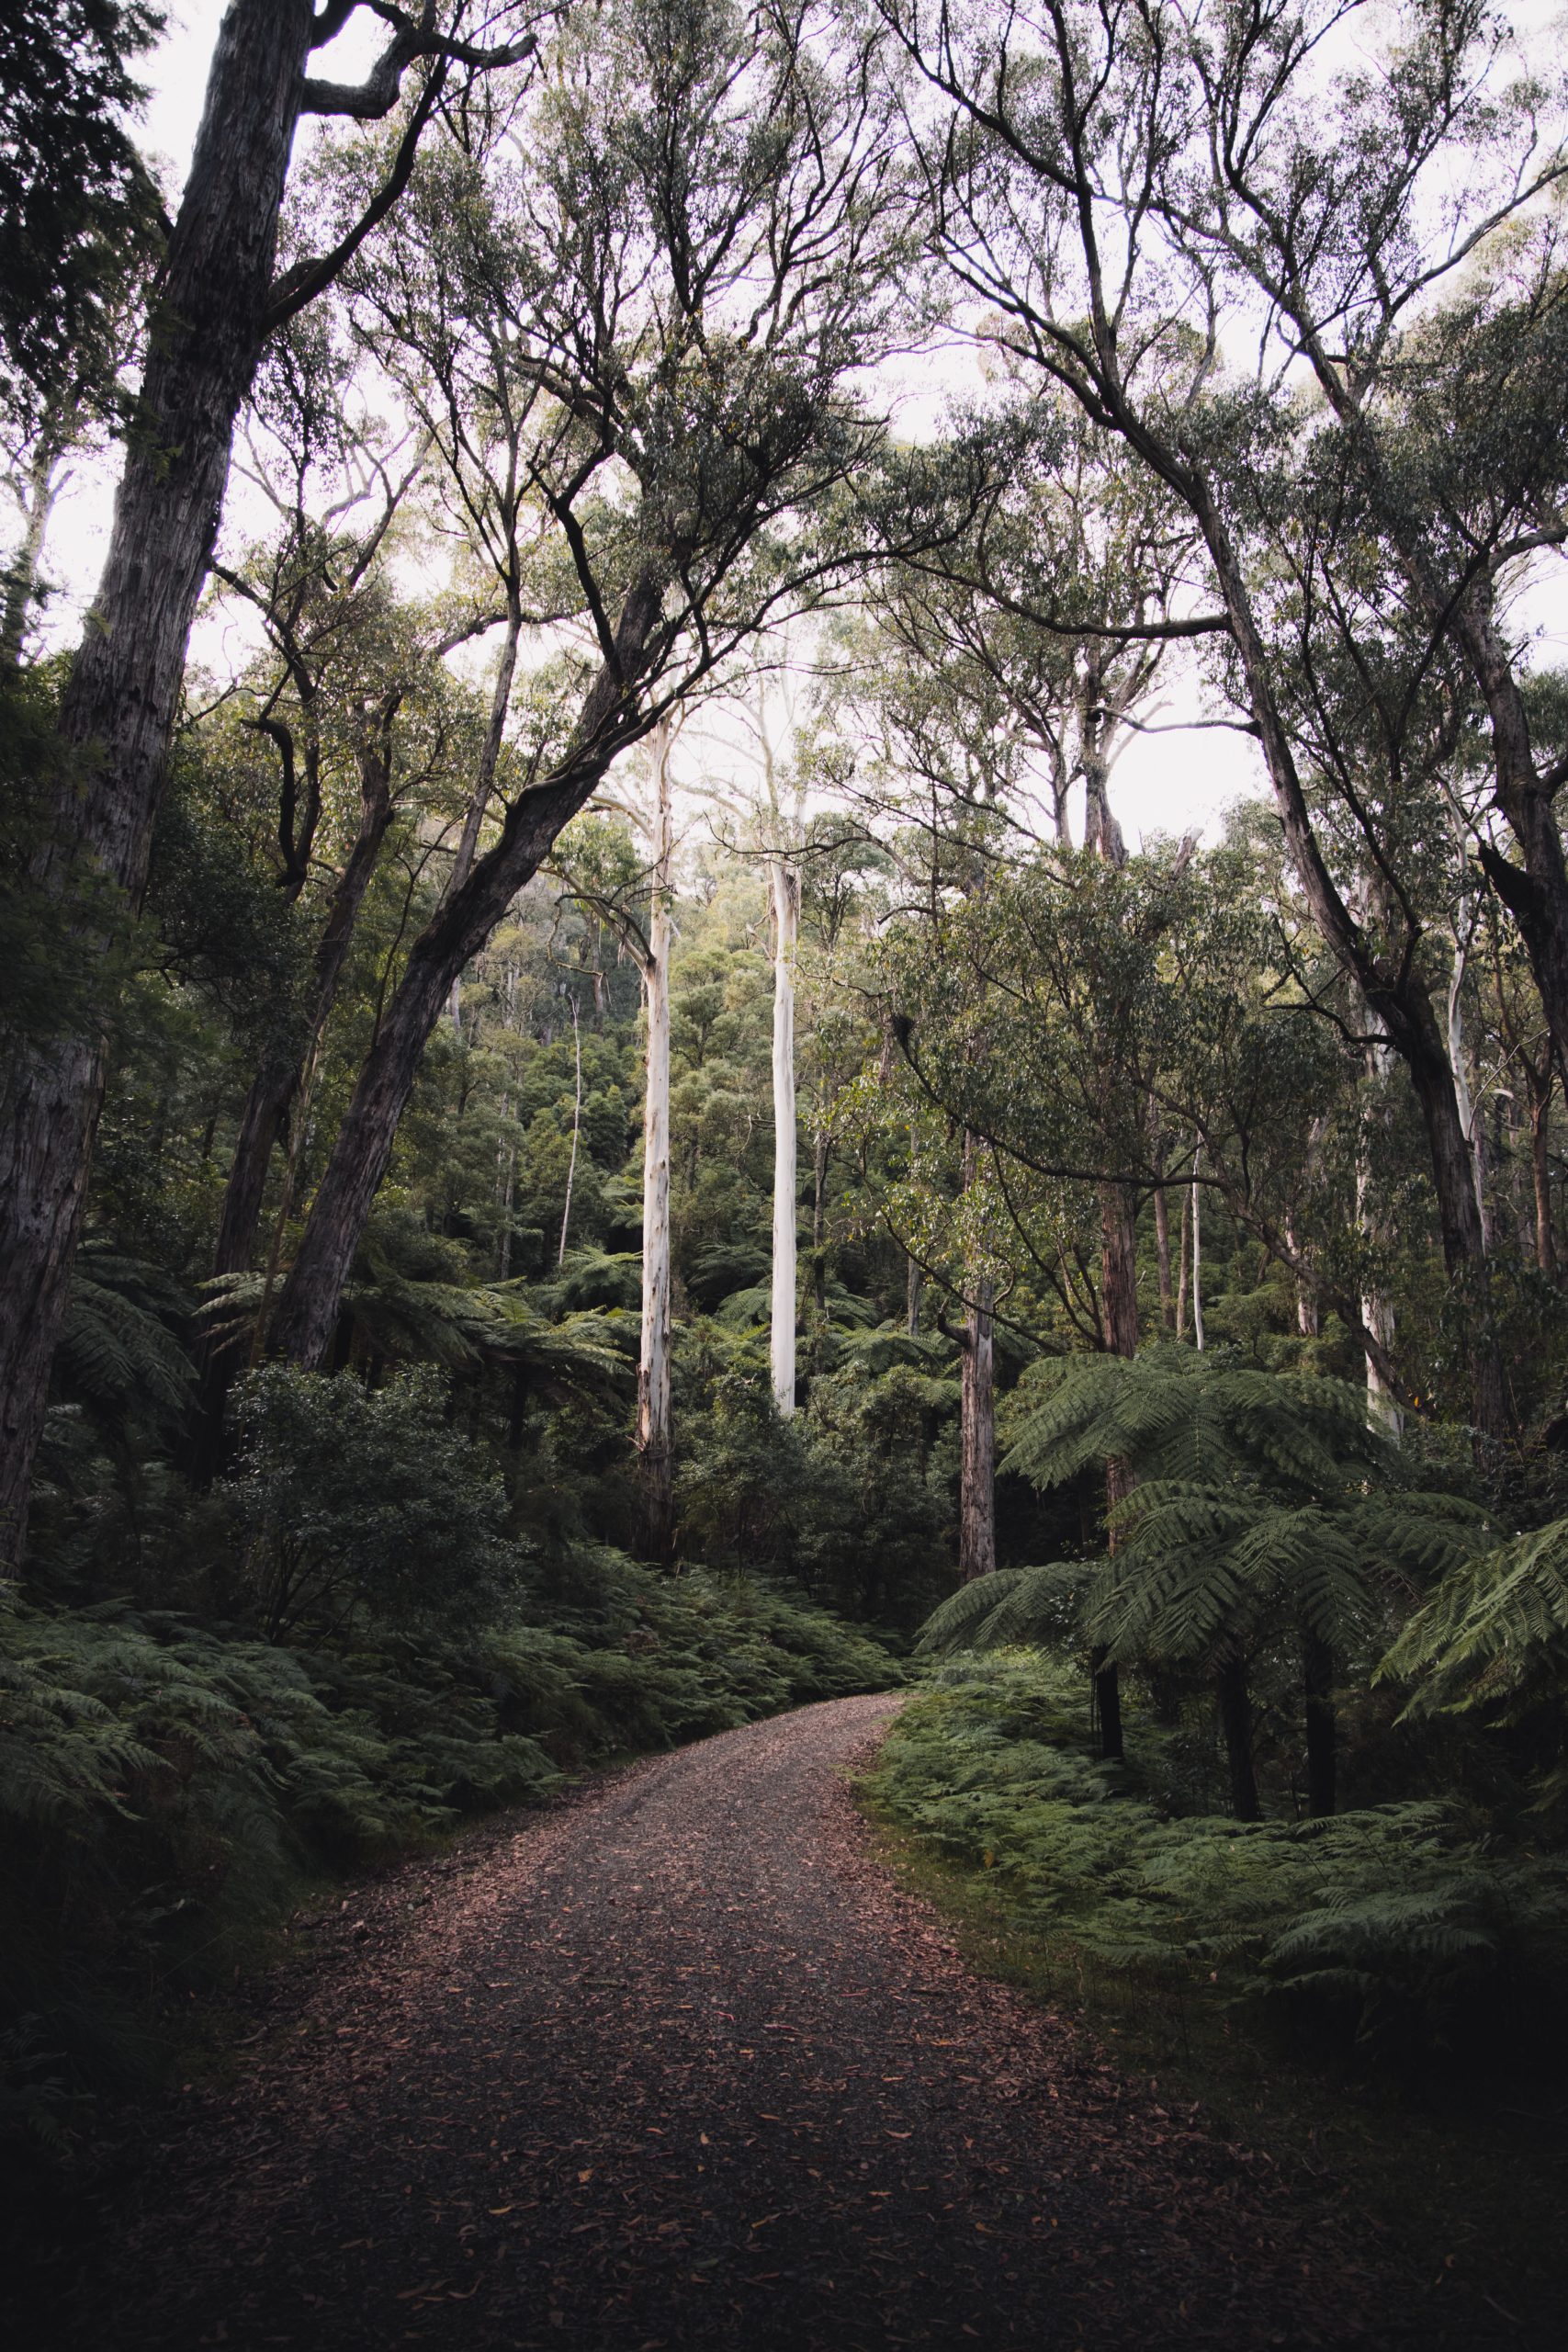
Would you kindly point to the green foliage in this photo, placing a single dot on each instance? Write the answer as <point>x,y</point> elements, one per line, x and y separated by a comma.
<point>1494,1632</point>
<point>360,1500</point>
<point>1386,1935</point>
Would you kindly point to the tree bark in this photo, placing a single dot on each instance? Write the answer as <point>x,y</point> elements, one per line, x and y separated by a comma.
<point>655,1465</point>
<point>1197,1253</point>
<point>119,706</point>
<point>784,885</point>
<point>1119,1308</point>
<point>459,928</point>
<point>576,1133</point>
<point>1162,1251</point>
<point>1108,1706</point>
<point>1236,1729</point>
<point>1540,1082</point>
<point>1383,1409</point>
<point>977,1440</point>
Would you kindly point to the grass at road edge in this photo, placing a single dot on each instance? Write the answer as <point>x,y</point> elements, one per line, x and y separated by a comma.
<point>1467,2206</point>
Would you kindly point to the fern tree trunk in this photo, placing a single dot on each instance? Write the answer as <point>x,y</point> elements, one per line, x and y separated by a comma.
<point>978,1440</point>
<point>1236,1730</point>
<point>1119,1301</point>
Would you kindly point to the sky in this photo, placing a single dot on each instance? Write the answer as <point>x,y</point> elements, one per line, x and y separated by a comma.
<point>1168,782</point>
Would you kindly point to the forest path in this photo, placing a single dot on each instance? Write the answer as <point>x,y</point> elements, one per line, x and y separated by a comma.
<point>676,2065</point>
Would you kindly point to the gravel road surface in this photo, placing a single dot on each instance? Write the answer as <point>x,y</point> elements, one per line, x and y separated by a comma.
<point>675,2065</point>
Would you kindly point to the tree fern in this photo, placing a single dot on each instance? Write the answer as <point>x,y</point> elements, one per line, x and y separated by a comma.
<point>1495,1630</point>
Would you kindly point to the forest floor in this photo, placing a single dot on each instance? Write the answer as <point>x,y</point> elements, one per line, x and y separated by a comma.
<point>675,2064</point>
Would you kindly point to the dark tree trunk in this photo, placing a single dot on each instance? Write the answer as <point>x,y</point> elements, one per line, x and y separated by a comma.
<point>977,1442</point>
<point>1119,1269</point>
<point>1539,1082</point>
<point>1108,1706</point>
<point>459,928</point>
<point>1236,1729</point>
<point>1162,1248</point>
<point>118,710</point>
<point>1322,1729</point>
<point>1119,1309</point>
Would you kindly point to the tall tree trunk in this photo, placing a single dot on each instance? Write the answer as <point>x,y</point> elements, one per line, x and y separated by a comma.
<point>1119,1312</point>
<point>1162,1251</point>
<point>576,1132</point>
<point>1539,1081</point>
<point>820,1148</point>
<point>1383,1409</point>
<point>118,710</point>
<point>1464,1103</point>
<point>976,1415</point>
<point>1322,1729</point>
<point>978,1440</point>
<point>25,569</point>
<point>783,886</point>
<point>1197,1251</point>
<point>914,1284</point>
<point>461,927</point>
<point>1183,1273</point>
<point>1236,1729</point>
<point>655,1465</point>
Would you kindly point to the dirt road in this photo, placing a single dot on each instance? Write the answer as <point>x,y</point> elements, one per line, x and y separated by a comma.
<point>676,2066</point>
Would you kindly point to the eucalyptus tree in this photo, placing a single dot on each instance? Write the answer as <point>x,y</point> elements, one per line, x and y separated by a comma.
<point>682,246</point>
<point>619,865</point>
<point>1136,195</point>
<point>217,299</point>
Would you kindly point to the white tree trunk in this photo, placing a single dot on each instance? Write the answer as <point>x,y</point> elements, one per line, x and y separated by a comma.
<point>1467,1119</point>
<point>784,889</point>
<point>653,1369</point>
<point>1383,1409</point>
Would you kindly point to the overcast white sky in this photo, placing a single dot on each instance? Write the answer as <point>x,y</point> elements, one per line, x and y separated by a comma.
<point>1165,782</point>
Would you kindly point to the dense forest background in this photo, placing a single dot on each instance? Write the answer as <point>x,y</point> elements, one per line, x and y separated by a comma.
<point>603,1131</point>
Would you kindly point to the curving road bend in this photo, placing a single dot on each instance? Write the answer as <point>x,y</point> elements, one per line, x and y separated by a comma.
<point>675,2065</point>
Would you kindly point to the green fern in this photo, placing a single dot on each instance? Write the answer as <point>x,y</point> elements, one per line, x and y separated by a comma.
<point>1495,1631</point>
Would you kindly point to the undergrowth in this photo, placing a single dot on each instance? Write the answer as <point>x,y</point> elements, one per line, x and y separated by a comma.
<point>1386,1938</point>
<point>166,1788</point>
